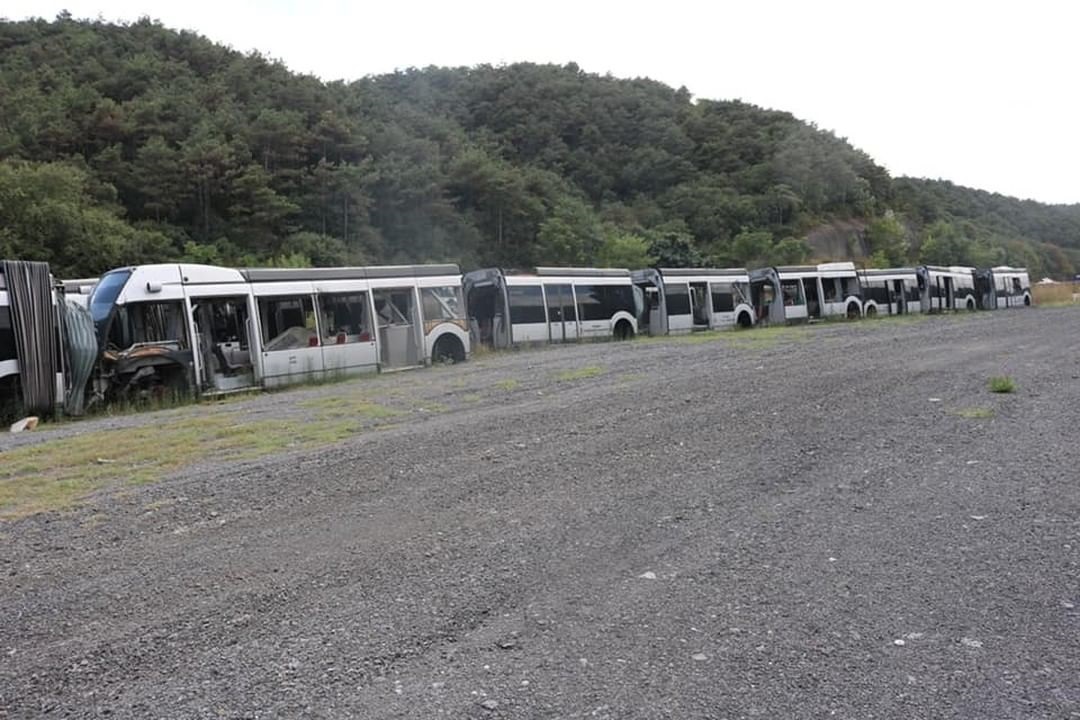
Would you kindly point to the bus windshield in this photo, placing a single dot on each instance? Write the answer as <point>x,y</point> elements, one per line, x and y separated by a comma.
<point>105,294</point>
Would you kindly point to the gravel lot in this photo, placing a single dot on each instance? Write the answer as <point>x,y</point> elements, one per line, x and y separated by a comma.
<point>801,524</point>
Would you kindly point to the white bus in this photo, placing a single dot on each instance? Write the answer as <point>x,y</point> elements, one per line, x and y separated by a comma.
<point>796,293</point>
<point>892,291</point>
<point>508,308</point>
<point>1003,287</point>
<point>946,288</point>
<point>680,300</point>
<point>215,329</point>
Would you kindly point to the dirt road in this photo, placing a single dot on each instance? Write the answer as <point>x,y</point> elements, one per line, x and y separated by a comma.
<point>837,521</point>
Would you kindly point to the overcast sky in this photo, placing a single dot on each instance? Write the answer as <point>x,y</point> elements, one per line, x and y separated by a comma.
<point>980,93</point>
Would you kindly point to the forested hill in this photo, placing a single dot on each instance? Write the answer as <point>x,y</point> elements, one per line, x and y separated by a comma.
<point>133,143</point>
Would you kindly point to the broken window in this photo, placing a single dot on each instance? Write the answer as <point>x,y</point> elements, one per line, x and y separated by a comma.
<point>288,323</point>
<point>344,318</point>
<point>792,292</point>
<point>442,303</point>
<point>145,323</point>
<point>394,306</point>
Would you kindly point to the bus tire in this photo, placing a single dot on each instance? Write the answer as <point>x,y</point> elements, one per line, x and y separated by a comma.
<point>745,320</point>
<point>624,330</point>
<point>1027,301</point>
<point>970,305</point>
<point>871,311</point>
<point>448,350</point>
<point>853,311</point>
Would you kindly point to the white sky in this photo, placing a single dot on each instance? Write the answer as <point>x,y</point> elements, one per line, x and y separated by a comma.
<point>981,93</point>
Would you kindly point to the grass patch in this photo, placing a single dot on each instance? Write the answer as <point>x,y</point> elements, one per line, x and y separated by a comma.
<point>583,373</point>
<point>976,413</point>
<point>1002,384</point>
<point>767,337</point>
<point>57,474</point>
<point>332,407</point>
<point>507,385</point>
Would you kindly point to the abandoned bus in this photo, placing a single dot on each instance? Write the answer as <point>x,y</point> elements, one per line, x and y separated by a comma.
<point>550,305</point>
<point>214,329</point>
<point>893,291</point>
<point>682,300</point>
<point>796,293</point>
<point>946,288</point>
<point>1003,287</point>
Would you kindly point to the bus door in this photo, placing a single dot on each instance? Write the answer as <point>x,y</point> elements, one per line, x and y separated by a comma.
<point>562,316</point>
<point>680,317</point>
<point>396,316</point>
<point>290,338</point>
<point>899,298</point>
<point>223,330</point>
<point>700,305</point>
<point>949,294</point>
<point>347,333</point>
<point>813,297</point>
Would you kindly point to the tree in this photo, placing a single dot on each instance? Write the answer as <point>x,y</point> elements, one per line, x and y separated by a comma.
<point>887,241</point>
<point>621,249</point>
<point>672,246</point>
<point>571,235</point>
<point>50,212</point>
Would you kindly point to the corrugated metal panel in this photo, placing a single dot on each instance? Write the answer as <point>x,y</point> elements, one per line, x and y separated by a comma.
<point>33,319</point>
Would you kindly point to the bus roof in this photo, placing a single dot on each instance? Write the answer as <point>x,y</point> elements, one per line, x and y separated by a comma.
<point>688,272</point>
<point>347,273</point>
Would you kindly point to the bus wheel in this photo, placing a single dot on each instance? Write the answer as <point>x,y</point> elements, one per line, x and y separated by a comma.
<point>971,305</point>
<point>744,320</point>
<point>871,311</point>
<point>1027,301</point>
<point>852,311</point>
<point>448,350</point>
<point>623,331</point>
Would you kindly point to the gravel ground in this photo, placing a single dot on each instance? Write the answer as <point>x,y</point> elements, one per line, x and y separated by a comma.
<point>802,525</point>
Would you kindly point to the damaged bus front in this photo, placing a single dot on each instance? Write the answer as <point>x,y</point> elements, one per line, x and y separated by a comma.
<point>142,329</point>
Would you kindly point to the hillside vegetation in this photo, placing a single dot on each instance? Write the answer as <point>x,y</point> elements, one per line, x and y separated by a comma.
<point>133,143</point>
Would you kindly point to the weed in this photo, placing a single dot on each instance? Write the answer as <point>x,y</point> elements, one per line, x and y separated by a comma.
<point>975,413</point>
<point>1002,384</point>
<point>507,385</point>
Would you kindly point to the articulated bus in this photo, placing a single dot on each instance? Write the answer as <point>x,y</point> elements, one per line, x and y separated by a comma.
<point>1003,287</point>
<point>679,300</point>
<point>946,288</point>
<point>893,291</point>
<point>508,308</point>
<point>215,330</point>
<point>797,293</point>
